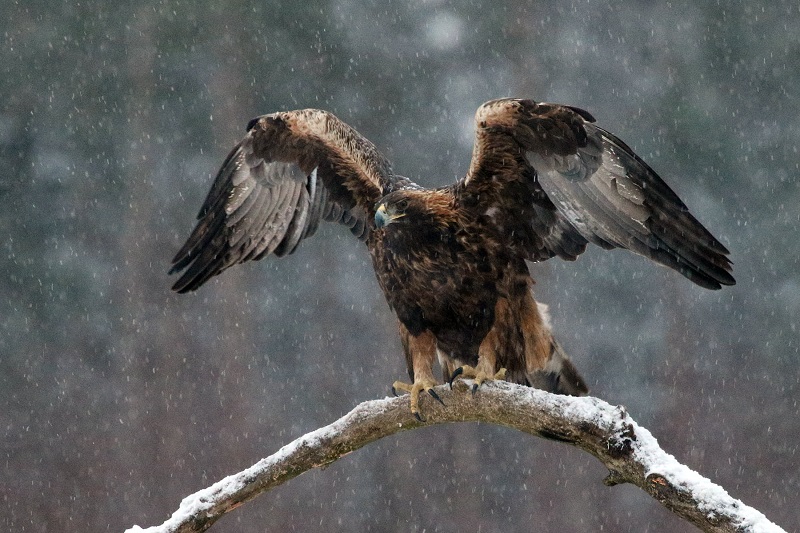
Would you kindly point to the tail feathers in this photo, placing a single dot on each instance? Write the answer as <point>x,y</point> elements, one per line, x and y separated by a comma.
<point>559,375</point>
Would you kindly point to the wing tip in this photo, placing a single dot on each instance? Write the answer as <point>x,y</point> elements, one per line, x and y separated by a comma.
<point>195,276</point>
<point>711,277</point>
<point>181,286</point>
<point>185,283</point>
<point>724,279</point>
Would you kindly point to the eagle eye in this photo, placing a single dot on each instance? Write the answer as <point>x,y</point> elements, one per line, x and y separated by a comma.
<point>402,205</point>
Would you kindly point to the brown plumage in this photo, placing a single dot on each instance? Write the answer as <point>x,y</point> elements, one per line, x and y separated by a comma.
<point>544,181</point>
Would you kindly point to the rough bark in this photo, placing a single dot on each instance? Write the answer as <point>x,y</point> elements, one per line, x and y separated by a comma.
<point>628,450</point>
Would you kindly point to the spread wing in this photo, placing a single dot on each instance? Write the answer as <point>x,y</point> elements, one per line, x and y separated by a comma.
<point>290,171</point>
<point>553,181</point>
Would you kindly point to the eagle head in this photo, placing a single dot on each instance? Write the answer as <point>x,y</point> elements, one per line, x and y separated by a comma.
<point>422,210</point>
<point>390,208</point>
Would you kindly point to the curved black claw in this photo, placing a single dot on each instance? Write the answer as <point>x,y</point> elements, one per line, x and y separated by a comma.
<point>457,372</point>
<point>416,415</point>
<point>435,396</point>
<point>394,392</point>
<point>475,388</point>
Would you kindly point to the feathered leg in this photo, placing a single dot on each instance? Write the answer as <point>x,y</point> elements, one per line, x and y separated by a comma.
<point>485,369</point>
<point>420,353</point>
<point>520,348</point>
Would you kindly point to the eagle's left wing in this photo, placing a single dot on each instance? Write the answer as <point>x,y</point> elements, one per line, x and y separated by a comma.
<point>552,181</point>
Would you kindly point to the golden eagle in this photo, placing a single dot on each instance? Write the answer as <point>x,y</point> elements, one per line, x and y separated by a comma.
<point>544,181</point>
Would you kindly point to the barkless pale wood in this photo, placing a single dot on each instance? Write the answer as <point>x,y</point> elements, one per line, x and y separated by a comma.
<point>629,451</point>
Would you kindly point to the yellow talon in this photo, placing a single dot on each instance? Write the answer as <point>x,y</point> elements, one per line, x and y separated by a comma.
<point>478,376</point>
<point>413,390</point>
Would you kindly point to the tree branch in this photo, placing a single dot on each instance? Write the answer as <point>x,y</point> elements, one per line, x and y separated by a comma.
<point>630,452</point>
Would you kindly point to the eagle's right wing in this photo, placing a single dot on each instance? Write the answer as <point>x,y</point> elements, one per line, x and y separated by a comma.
<point>290,171</point>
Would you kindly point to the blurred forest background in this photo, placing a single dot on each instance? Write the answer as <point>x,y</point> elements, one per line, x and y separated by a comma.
<point>118,398</point>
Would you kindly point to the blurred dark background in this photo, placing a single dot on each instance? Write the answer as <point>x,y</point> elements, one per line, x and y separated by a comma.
<point>118,398</point>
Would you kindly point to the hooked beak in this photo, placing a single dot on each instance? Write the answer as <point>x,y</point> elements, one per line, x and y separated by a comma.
<point>383,218</point>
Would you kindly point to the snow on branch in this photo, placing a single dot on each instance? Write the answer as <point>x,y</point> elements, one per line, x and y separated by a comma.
<point>628,450</point>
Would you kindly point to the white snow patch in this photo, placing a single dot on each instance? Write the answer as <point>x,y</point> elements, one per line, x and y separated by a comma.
<point>712,498</point>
